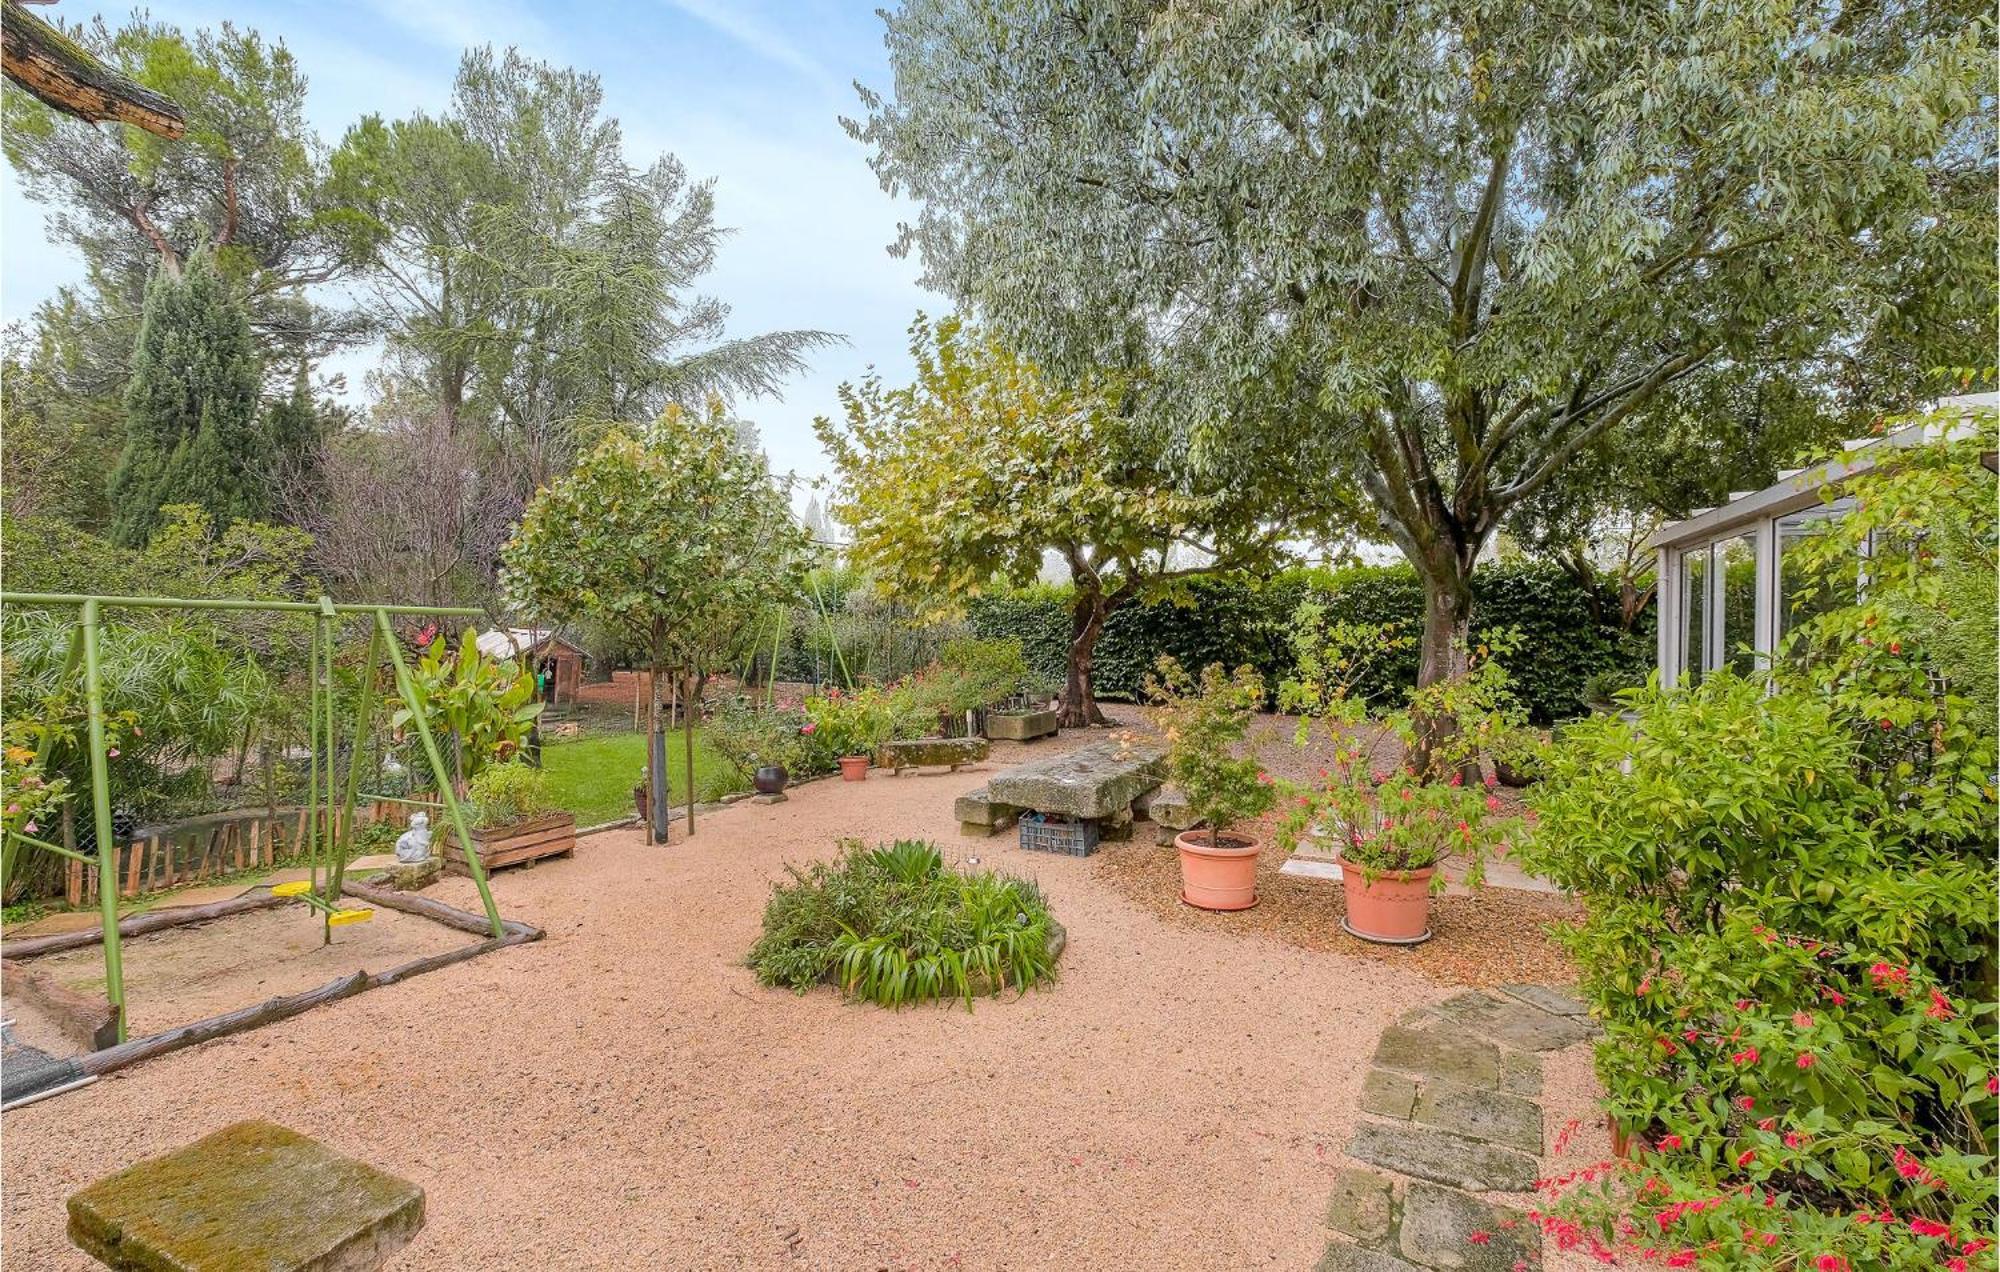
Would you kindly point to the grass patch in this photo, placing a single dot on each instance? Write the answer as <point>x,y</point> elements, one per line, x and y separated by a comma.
<point>893,926</point>
<point>594,777</point>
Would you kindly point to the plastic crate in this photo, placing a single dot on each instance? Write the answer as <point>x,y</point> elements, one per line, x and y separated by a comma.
<point>1052,834</point>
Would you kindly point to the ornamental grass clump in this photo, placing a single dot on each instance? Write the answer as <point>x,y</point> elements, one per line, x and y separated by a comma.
<point>1789,890</point>
<point>893,926</point>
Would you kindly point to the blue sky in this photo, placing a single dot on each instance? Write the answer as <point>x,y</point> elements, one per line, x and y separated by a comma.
<point>747,92</point>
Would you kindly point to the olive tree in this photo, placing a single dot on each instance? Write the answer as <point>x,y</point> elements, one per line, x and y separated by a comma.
<point>675,536</point>
<point>1464,241</point>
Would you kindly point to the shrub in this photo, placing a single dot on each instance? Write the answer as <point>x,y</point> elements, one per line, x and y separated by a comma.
<point>1790,890</point>
<point>502,794</point>
<point>892,925</point>
<point>856,723</point>
<point>1205,722</point>
<point>487,704</point>
<point>746,736</point>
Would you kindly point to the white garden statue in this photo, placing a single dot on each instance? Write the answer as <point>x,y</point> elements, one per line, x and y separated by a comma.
<point>413,847</point>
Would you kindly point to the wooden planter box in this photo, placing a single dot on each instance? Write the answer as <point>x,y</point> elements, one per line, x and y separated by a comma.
<point>518,844</point>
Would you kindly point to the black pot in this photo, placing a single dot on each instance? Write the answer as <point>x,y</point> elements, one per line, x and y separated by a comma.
<point>770,779</point>
<point>1507,775</point>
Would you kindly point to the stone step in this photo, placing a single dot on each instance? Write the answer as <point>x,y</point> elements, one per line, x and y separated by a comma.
<point>1547,998</point>
<point>1513,1022</point>
<point>1439,1224</point>
<point>1431,1054</point>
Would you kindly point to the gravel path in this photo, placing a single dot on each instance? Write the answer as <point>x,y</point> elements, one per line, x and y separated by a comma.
<point>623,1094</point>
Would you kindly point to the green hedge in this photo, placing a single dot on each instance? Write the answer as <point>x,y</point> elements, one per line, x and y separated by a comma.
<point>1234,620</point>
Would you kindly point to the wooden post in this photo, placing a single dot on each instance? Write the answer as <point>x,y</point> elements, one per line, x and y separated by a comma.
<point>73,874</point>
<point>133,867</point>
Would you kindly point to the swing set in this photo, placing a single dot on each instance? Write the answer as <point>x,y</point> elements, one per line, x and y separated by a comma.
<point>328,815</point>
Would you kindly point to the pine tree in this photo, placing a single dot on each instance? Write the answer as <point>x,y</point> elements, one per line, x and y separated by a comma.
<point>294,429</point>
<point>191,410</point>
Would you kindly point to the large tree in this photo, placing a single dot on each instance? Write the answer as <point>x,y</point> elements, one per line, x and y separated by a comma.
<point>674,537</point>
<point>1466,241</point>
<point>536,281</point>
<point>972,473</point>
<point>192,432</point>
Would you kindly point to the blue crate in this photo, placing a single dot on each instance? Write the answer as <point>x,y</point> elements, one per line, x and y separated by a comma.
<point>1057,834</point>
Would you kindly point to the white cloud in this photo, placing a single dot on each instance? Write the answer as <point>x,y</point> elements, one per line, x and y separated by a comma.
<point>752,32</point>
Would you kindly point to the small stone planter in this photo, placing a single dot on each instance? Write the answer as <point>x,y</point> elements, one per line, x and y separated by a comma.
<point>553,835</point>
<point>1021,726</point>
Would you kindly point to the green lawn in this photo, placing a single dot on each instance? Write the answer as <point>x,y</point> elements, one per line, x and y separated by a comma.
<point>594,777</point>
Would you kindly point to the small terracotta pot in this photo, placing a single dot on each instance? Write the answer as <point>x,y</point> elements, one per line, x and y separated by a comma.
<point>1223,877</point>
<point>770,779</point>
<point>853,768</point>
<point>1393,909</point>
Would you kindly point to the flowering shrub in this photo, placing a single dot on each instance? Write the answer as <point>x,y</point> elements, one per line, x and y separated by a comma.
<point>1790,895</point>
<point>1402,824</point>
<point>852,723</point>
<point>1205,721</point>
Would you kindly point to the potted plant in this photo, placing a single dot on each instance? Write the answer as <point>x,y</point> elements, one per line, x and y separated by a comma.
<point>514,819</point>
<point>853,726</point>
<point>1205,722</point>
<point>1518,757</point>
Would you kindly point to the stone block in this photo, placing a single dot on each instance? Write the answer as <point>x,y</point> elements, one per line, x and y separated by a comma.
<point>1442,1158</point>
<point>1363,1204</point>
<point>1021,726</point>
<point>1090,782</point>
<point>1169,807</point>
<point>1493,1116</point>
<point>1388,1094</point>
<point>252,1195</point>
<point>976,808</point>
<point>1115,829</point>
<point>1439,1224</point>
<point>903,753</point>
<point>1437,1054</point>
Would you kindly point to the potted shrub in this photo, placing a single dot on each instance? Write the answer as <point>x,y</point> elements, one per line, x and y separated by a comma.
<point>853,726</point>
<point>1205,722</point>
<point>763,745</point>
<point>514,818</point>
<point>1518,757</point>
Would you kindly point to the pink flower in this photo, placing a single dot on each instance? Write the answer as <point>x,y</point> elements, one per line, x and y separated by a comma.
<point>1743,1004</point>
<point>1264,778</point>
<point>1745,1157</point>
<point>1806,1060</point>
<point>1481,1237</point>
<point>807,727</point>
<point>31,828</point>
<point>1793,1139</point>
<point>1645,985</point>
<point>1830,1263</point>
<point>1929,1227</point>
<point>1940,1008</point>
<point>1993,1085</point>
<point>1670,1141</point>
<point>1746,1056</point>
<point>1746,1103</point>
<point>112,752</point>
<point>13,808</point>
<point>1492,803</point>
<point>1802,1020</point>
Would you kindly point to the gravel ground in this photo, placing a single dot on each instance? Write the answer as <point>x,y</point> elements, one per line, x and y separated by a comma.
<point>623,1094</point>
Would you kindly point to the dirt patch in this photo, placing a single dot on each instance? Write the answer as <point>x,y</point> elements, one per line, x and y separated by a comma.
<point>184,974</point>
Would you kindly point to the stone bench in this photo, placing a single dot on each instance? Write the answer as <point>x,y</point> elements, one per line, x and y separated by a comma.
<point>918,752</point>
<point>252,1195</point>
<point>1022,726</point>
<point>978,816</point>
<point>1093,782</point>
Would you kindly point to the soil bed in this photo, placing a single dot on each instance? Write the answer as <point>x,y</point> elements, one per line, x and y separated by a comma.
<point>184,974</point>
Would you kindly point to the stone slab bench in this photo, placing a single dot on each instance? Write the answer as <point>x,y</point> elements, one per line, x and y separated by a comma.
<point>252,1195</point>
<point>918,752</point>
<point>1095,781</point>
<point>978,816</point>
<point>1022,726</point>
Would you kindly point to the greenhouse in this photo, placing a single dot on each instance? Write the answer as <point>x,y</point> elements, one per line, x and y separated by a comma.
<point>1728,593</point>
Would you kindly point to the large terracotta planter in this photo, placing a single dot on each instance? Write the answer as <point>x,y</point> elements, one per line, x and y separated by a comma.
<point>1393,909</point>
<point>854,768</point>
<point>1223,877</point>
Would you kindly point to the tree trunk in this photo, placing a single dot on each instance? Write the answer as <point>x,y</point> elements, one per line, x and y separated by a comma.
<point>657,811</point>
<point>1079,700</point>
<point>1441,653</point>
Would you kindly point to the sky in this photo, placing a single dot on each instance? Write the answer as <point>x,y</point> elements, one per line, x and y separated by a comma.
<point>747,92</point>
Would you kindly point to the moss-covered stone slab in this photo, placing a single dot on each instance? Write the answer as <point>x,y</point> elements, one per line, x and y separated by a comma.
<point>1440,1226</point>
<point>947,752</point>
<point>1547,997</point>
<point>1514,1023</point>
<point>1090,782</point>
<point>1388,1094</point>
<point>1442,1158</point>
<point>1494,1116</point>
<point>1363,1204</point>
<point>1454,1057</point>
<point>1341,1257</point>
<point>251,1196</point>
<point>1021,726</point>
<point>976,808</point>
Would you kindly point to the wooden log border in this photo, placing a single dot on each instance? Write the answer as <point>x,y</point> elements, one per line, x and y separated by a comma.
<point>271,1010</point>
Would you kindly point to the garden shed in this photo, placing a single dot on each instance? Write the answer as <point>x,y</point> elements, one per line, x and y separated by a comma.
<point>541,651</point>
<point>1727,592</point>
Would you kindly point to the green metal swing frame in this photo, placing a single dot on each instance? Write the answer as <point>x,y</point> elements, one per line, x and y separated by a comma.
<point>329,812</point>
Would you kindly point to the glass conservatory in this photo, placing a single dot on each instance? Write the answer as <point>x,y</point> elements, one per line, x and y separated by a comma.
<point>1728,592</point>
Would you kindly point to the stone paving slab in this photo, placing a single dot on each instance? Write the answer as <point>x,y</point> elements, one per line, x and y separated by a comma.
<point>1438,1224</point>
<point>252,1195</point>
<point>1363,1204</point>
<point>1389,1094</point>
<point>1514,1023</point>
<point>1493,1116</point>
<point>1453,1057</point>
<point>1442,1157</point>
<point>1342,1257</point>
<point>1548,998</point>
<point>1521,1074</point>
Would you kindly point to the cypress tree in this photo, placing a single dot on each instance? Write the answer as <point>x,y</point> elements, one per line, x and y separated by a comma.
<point>192,433</point>
<point>294,428</point>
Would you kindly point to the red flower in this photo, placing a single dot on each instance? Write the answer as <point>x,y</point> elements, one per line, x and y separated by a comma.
<point>1746,1103</point>
<point>1745,1157</point>
<point>1802,1020</point>
<point>1481,1237</point>
<point>1888,725</point>
<point>1743,1004</point>
<point>1746,1056</point>
<point>1940,1008</point>
<point>1837,998</point>
<point>1993,1085</point>
<point>1645,985</point>
<point>1806,1060</point>
<point>1793,1139</point>
<point>1929,1227</point>
<point>1768,1124</point>
<point>1670,1141</point>
<point>1830,1263</point>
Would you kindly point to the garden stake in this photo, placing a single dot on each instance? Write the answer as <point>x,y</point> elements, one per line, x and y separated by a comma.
<point>100,805</point>
<point>687,740</point>
<point>361,718</point>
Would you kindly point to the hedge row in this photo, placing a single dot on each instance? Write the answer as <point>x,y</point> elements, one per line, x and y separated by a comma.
<point>1569,628</point>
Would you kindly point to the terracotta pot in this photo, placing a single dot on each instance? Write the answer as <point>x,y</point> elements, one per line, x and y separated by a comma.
<point>853,768</point>
<point>770,779</point>
<point>1393,909</point>
<point>1223,877</point>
